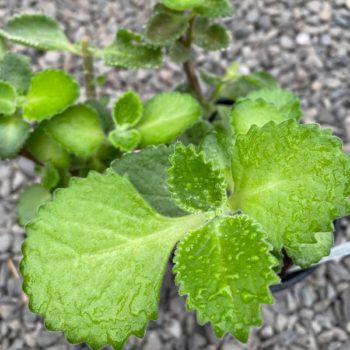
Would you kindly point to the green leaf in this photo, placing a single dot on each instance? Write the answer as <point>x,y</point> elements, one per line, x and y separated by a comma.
<point>210,78</point>
<point>7,98</point>
<point>50,177</point>
<point>215,8</point>
<point>29,201</point>
<point>253,112</point>
<point>15,69</point>
<point>45,149</point>
<point>36,30</point>
<point>77,129</point>
<point>284,100</point>
<point>51,92</point>
<point>126,140</point>
<point>294,180</point>
<point>146,170</point>
<point>225,268</point>
<point>166,116</point>
<point>104,115</point>
<point>210,36</point>
<point>99,224</point>
<point>181,5</point>
<point>127,110</point>
<point>128,51</point>
<point>13,133</point>
<point>3,47</point>
<point>195,184</point>
<point>163,28</point>
<point>179,53</point>
<point>196,133</point>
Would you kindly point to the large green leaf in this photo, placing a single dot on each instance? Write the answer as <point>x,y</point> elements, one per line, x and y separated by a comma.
<point>194,183</point>
<point>146,170</point>
<point>36,30</point>
<point>15,69</point>
<point>225,268</point>
<point>13,133</point>
<point>294,180</point>
<point>166,116</point>
<point>51,92</point>
<point>128,51</point>
<point>163,28</point>
<point>77,129</point>
<point>94,260</point>
<point>7,98</point>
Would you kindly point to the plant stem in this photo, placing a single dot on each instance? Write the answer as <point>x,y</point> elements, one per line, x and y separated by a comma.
<point>189,66</point>
<point>88,65</point>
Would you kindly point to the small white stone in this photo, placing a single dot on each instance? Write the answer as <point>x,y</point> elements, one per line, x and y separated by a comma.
<point>303,39</point>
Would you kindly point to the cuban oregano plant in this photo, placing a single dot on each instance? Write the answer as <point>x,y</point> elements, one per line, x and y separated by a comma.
<point>227,180</point>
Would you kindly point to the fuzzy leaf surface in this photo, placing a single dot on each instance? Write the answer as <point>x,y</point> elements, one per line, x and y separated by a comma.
<point>146,170</point>
<point>128,51</point>
<point>36,30</point>
<point>226,268</point>
<point>99,224</point>
<point>294,180</point>
<point>13,134</point>
<point>51,92</point>
<point>8,97</point>
<point>166,116</point>
<point>15,69</point>
<point>127,110</point>
<point>126,140</point>
<point>179,53</point>
<point>77,129</point>
<point>194,183</point>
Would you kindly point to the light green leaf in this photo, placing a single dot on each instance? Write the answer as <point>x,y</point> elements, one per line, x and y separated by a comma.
<point>146,170</point>
<point>163,28</point>
<point>128,51</point>
<point>77,129</point>
<point>215,8</point>
<point>127,110</point>
<point>13,133</point>
<point>126,140</point>
<point>45,149</point>
<point>194,183</point>
<point>166,116</point>
<point>29,201</point>
<point>99,224</point>
<point>7,98</point>
<point>294,180</point>
<point>179,53</point>
<point>15,69</point>
<point>225,268</point>
<point>210,36</point>
<point>50,177</point>
<point>284,100</point>
<point>181,5</point>
<point>36,30</point>
<point>51,92</point>
<point>258,112</point>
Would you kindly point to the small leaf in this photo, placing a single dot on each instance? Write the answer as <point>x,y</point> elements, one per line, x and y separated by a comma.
<point>3,47</point>
<point>166,116</point>
<point>253,112</point>
<point>127,110</point>
<point>45,149</point>
<point>195,133</point>
<point>179,53</point>
<point>104,115</point>
<point>51,92</point>
<point>115,249</point>
<point>13,133</point>
<point>284,100</point>
<point>181,5</point>
<point>50,177</point>
<point>194,183</point>
<point>36,30</point>
<point>215,8</point>
<point>7,98</point>
<point>77,129</point>
<point>128,51</point>
<point>29,201</point>
<point>15,69</point>
<point>225,268</point>
<point>210,78</point>
<point>146,170</point>
<point>210,36</point>
<point>294,180</point>
<point>126,140</point>
<point>163,28</point>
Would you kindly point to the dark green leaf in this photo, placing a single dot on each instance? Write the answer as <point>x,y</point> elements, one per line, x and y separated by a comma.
<point>179,53</point>
<point>50,177</point>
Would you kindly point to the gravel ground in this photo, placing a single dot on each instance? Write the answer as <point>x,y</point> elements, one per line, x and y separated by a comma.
<point>306,44</point>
